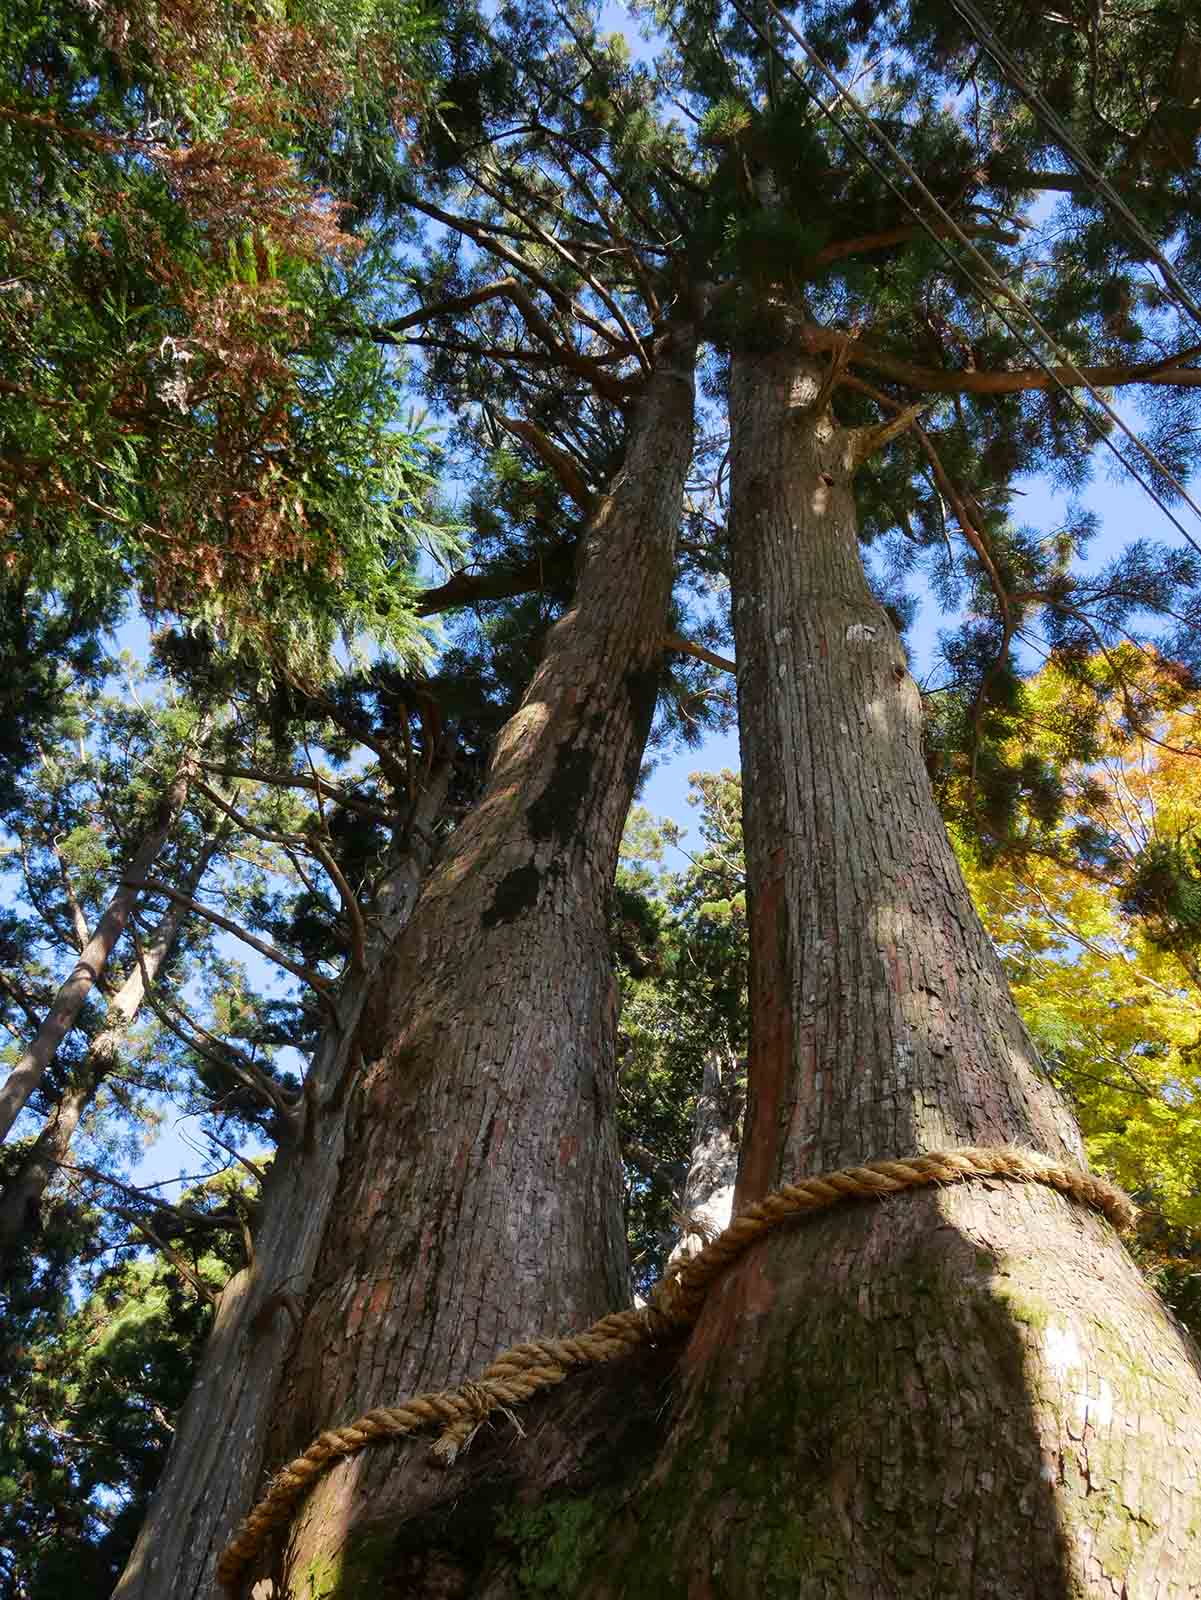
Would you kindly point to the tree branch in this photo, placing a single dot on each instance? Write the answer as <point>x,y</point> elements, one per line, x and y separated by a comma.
<point>841,248</point>
<point>936,380</point>
<point>865,442</point>
<point>296,780</point>
<point>226,1221</point>
<point>306,974</point>
<point>226,1057</point>
<point>686,647</point>
<point>552,456</point>
<point>350,905</point>
<point>33,1009</point>
<point>499,583</point>
<point>511,289</point>
<point>79,922</point>
<point>168,1253</point>
<point>304,841</point>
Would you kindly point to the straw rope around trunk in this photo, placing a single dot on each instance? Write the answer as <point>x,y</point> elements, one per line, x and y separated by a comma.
<point>674,1304</point>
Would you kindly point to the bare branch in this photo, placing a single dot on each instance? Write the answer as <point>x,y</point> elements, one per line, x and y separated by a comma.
<point>552,456</point>
<point>935,380</point>
<point>686,647</point>
<point>498,583</point>
<point>226,1221</point>
<point>513,290</point>
<point>350,905</point>
<point>225,1056</point>
<point>296,780</point>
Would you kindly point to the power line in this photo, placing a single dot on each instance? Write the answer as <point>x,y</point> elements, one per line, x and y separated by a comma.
<point>987,37</point>
<point>1002,286</point>
<point>984,294</point>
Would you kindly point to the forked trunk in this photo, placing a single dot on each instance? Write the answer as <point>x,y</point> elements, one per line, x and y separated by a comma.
<point>959,1393</point>
<point>966,1394</point>
<point>478,1196</point>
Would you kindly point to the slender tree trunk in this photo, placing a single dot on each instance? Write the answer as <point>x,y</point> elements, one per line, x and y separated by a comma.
<point>707,1201</point>
<point>21,1198</point>
<point>477,1201</point>
<point>29,1071</point>
<point>966,1393</point>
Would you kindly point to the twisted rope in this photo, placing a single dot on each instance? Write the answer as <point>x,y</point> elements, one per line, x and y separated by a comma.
<point>674,1304</point>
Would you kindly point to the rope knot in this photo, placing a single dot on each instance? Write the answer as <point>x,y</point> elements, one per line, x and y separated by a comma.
<point>474,1402</point>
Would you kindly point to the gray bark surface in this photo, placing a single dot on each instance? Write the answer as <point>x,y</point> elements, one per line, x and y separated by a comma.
<point>467,1195</point>
<point>707,1199</point>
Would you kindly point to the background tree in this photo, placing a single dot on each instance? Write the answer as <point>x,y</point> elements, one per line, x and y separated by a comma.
<point>92,1381</point>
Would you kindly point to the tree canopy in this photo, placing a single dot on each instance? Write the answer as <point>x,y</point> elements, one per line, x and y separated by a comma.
<point>321,321</point>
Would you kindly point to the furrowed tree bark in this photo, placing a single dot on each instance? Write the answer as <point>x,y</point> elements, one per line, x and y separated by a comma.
<point>966,1393</point>
<point>217,1449</point>
<point>21,1198</point>
<point>958,1395</point>
<point>478,1195</point>
<point>479,1201</point>
<point>29,1071</point>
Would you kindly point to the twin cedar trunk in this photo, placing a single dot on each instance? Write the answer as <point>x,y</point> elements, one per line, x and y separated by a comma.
<point>966,1393</point>
<point>477,1175</point>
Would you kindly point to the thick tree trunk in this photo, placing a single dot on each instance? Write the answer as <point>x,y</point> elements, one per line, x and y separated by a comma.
<point>29,1071</point>
<point>964,1393</point>
<point>217,1450</point>
<point>958,1395</point>
<point>21,1198</point>
<point>478,1194</point>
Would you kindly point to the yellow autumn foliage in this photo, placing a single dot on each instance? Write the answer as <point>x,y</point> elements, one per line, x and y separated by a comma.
<point>1117,1015</point>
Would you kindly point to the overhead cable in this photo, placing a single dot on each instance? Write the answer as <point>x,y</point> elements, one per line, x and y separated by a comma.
<point>985,295</point>
<point>988,39</point>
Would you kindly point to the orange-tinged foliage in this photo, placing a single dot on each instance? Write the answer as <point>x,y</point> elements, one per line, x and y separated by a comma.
<point>1109,981</point>
<point>171,386</point>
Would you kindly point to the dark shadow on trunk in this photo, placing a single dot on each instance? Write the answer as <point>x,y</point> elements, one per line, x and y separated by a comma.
<point>820,1435</point>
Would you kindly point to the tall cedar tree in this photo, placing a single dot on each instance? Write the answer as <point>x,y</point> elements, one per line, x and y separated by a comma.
<point>471,1096</point>
<point>1029,1454</point>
